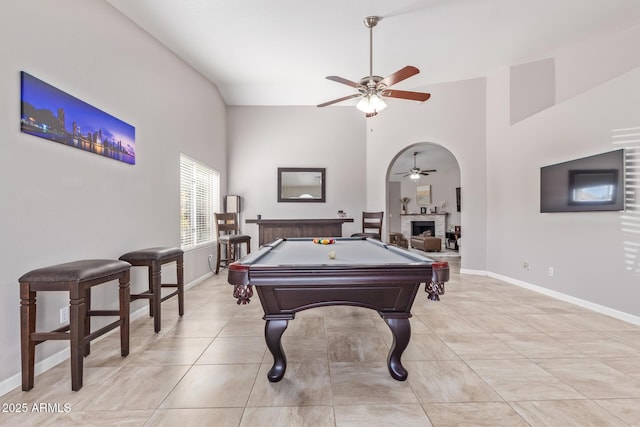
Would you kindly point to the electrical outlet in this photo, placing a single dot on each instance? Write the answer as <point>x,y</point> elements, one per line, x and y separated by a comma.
<point>64,315</point>
<point>550,271</point>
<point>525,265</point>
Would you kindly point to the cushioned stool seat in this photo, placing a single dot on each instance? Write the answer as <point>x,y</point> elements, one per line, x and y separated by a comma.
<point>77,278</point>
<point>154,258</point>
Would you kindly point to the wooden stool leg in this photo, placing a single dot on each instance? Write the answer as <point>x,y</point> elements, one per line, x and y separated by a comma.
<point>218,256</point>
<point>77,313</point>
<point>27,327</point>
<point>156,297</point>
<point>150,277</point>
<point>124,313</point>
<point>180,274</point>
<point>86,350</point>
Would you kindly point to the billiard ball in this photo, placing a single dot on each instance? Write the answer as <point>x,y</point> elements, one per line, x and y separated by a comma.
<point>332,254</point>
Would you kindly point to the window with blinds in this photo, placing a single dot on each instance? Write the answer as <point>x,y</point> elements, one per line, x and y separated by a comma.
<point>199,200</point>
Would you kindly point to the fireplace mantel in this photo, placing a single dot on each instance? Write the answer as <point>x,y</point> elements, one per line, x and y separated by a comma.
<point>439,219</point>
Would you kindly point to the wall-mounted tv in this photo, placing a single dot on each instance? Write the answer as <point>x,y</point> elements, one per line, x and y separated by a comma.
<point>594,183</point>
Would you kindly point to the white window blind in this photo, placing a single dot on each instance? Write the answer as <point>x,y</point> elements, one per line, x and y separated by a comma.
<point>199,200</point>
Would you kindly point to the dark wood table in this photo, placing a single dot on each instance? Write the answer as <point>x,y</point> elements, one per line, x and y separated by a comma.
<point>273,229</point>
<point>292,275</point>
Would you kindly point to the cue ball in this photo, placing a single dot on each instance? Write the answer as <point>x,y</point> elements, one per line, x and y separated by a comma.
<point>332,254</point>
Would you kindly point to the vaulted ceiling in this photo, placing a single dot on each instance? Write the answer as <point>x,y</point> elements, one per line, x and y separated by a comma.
<point>278,52</point>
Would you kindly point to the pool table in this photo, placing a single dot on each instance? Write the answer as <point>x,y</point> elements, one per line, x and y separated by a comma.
<point>296,274</point>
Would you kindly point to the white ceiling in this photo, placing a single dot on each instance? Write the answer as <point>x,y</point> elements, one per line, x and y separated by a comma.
<point>278,52</point>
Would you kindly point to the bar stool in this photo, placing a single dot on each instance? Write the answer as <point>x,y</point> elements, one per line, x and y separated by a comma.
<point>228,234</point>
<point>154,259</point>
<point>77,278</point>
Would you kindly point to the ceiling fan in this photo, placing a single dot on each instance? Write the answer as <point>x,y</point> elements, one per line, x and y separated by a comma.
<point>415,172</point>
<point>371,89</point>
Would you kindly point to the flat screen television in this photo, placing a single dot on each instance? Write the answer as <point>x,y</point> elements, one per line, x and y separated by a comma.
<point>594,183</point>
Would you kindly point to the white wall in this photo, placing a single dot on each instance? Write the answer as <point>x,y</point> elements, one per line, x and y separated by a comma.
<point>454,117</point>
<point>61,204</point>
<point>261,139</point>
<point>594,254</point>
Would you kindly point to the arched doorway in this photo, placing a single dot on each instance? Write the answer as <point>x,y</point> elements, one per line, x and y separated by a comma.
<point>428,197</point>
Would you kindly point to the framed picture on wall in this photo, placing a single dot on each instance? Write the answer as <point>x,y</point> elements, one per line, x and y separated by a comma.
<point>423,194</point>
<point>49,113</point>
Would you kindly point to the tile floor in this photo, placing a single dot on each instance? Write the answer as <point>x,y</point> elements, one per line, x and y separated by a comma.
<point>488,354</point>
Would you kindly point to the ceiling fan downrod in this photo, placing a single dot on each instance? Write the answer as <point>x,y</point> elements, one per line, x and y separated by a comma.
<point>370,22</point>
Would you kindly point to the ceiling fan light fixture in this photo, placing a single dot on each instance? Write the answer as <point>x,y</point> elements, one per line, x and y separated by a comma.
<point>371,104</point>
<point>414,175</point>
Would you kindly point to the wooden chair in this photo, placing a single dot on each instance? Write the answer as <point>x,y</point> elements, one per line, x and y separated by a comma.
<point>371,225</point>
<point>228,235</point>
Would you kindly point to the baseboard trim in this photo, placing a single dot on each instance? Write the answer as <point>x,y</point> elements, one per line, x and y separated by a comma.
<point>44,365</point>
<point>621,315</point>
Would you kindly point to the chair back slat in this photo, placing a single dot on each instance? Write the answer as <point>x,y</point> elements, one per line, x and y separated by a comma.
<point>226,223</point>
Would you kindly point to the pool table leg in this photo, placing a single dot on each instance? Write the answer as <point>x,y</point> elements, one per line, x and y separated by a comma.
<point>401,331</point>
<point>273,331</point>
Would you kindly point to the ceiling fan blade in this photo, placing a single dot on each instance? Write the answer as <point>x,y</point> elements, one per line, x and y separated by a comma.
<point>343,81</point>
<point>399,76</point>
<point>335,101</point>
<point>428,170</point>
<point>404,94</point>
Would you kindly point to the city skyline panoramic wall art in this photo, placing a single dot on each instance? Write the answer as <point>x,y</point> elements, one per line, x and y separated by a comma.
<point>49,113</point>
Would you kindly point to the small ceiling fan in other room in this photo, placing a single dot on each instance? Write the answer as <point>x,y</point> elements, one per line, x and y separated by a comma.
<point>415,172</point>
<point>371,89</point>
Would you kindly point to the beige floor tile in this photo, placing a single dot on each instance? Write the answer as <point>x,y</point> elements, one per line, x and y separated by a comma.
<point>537,345</point>
<point>595,344</point>
<point>172,351</point>
<point>54,386</point>
<point>630,338</point>
<point>347,346</point>
<point>200,417</point>
<point>133,388</point>
<point>367,384</point>
<point>234,350</point>
<point>306,326</point>
<point>479,346</point>
<point>454,323</point>
<point>304,384</point>
<point>490,414</point>
<point>592,378</point>
<point>252,326</point>
<point>629,366</point>
<point>316,416</point>
<point>566,413</point>
<point>108,418</point>
<point>547,323</point>
<point>302,349</point>
<point>381,416</point>
<point>589,321</point>
<point>499,323</point>
<point>197,328</point>
<point>522,380</point>
<point>447,381</point>
<point>628,410</point>
<point>428,347</point>
<point>213,386</point>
